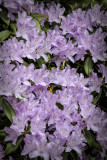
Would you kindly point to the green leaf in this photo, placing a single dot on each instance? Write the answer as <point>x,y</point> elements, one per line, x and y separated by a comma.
<point>49,56</point>
<point>45,29</point>
<point>13,26</point>
<point>96,99</point>
<point>4,26</point>
<point>32,83</point>
<point>3,133</point>
<point>93,158</point>
<point>38,15</point>
<point>93,2</point>
<point>25,11</point>
<point>0,101</point>
<point>65,155</point>
<point>92,141</point>
<point>86,3</point>
<point>34,158</point>
<point>74,155</point>
<point>105,2</point>
<point>88,65</point>
<point>105,156</point>
<point>89,137</point>
<point>12,148</point>
<point>3,16</point>
<point>8,110</point>
<point>40,61</point>
<point>37,25</point>
<point>60,106</point>
<point>54,88</point>
<point>5,123</point>
<point>4,35</point>
<point>25,63</point>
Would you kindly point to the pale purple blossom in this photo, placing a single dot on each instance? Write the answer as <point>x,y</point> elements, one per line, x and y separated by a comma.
<point>55,12</point>
<point>40,8</point>
<point>75,23</point>
<point>1,152</point>
<point>36,146</point>
<point>12,50</point>
<point>53,130</point>
<point>37,125</point>
<point>14,6</point>
<point>94,82</point>
<point>12,135</point>
<point>98,45</point>
<point>19,123</point>
<point>103,70</point>
<point>76,141</point>
<point>96,14</point>
<point>26,27</point>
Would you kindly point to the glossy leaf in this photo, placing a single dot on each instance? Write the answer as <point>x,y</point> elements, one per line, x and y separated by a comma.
<point>106,156</point>
<point>49,56</point>
<point>65,155</point>
<point>8,110</point>
<point>4,35</point>
<point>45,28</point>
<point>12,148</point>
<point>93,2</point>
<point>3,16</point>
<point>60,106</point>
<point>38,15</point>
<point>37,25</point>
<point>86,3</point>
<point>40,61</point>
<point>3,133</point>
<point>96,99</point>
<point>88,65</point>
<point>0,101</point>
<point>105,2</point>
<point>92,158</point>
<point>34,158</point>
<point>91,140</point>
<point>5,123</point>
<point>25,63</point>
<point>13,26</point>
<point>74,155</point>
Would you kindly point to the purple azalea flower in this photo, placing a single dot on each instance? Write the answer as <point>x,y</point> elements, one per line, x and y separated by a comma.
<point>98,45</point>
<point>53,130</point>
<point>76,141</point>
<point>12,50</point>
<point>55,12</point>
<point>36,146</point>
<point>26,26</point>
<point>12,135</point>
<point>94,82</point>
<point>96,14</point>
<point>103,70</point>
<point>1,152</point>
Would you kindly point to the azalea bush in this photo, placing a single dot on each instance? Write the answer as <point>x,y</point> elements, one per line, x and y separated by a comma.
<point>53,79</point>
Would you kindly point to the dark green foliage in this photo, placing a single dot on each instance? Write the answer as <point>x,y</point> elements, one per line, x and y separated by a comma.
<point>88,65</point>
<point>60,106</point>
<point>7,30</point>
<point>4,35</point>
<point>3,16</point>
<point>8,110</point>
<point>92,143</point>
<point>12,148</point>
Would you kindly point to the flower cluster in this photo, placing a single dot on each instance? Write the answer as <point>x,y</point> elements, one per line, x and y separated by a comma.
<point>53,122</point>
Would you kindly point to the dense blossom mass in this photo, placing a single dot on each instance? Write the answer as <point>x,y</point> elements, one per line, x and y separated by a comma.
<point>53,122</point>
